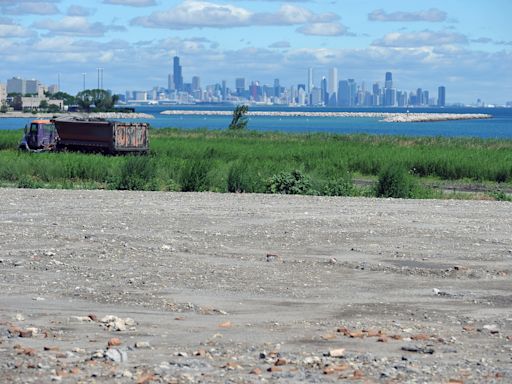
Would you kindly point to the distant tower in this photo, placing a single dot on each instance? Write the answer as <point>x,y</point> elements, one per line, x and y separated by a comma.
<point>441,96</point>
<point>333,86</point>
<point>176,75</point>
<point>388,84</point>
<point>240,85</point>
<point>310,80</point>
<point>323,90</point>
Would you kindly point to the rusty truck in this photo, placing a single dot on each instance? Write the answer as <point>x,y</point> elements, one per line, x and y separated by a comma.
<point>86,135</point>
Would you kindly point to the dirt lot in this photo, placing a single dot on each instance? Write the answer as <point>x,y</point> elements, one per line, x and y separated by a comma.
<point>203,287</point>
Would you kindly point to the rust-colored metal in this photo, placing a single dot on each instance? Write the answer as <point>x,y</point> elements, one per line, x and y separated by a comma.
<point>102,135</point>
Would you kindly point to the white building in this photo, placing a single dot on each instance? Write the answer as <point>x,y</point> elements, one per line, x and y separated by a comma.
<point>3,93</point>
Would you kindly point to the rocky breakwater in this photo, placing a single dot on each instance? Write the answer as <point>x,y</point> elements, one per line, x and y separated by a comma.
<point>384,116</point>
<point>99,115</point>
<point>427,117</point>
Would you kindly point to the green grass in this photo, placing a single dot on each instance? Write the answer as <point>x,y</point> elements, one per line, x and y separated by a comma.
<point>250,161</point>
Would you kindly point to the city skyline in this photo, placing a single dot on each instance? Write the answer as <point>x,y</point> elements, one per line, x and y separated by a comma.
<point>467,49</point>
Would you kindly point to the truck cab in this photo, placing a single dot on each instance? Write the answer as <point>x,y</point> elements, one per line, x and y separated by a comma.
<point>39,135</point>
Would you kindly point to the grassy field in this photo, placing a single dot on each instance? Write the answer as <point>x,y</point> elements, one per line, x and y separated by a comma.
<point>249,161</point>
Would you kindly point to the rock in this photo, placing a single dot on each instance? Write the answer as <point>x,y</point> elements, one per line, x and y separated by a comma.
<point>116,355</point>
<point>272,257</point>
<point>329,336</point>
<point>255,371</point>
<point>339,352</point>
<point>26,333</point>
<point>418,349</point>
<point>142,345</point>
<point>19,317</point>
<point>226,324</point>
<point>420,336</point>
<point>281,361</point>
<point>382,339</point>
<point>231,365</point>
<point>114,342</point>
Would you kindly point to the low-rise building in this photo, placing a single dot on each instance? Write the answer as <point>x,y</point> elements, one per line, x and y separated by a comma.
<point>34,102</point>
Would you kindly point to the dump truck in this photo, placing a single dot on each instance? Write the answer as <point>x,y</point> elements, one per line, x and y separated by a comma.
<point>86,135</point>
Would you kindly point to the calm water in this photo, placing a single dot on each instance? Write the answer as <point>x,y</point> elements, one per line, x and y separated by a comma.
<point>500,126</point>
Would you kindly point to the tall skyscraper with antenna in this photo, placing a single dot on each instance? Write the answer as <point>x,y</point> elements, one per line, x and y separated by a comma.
<point>177,76</point>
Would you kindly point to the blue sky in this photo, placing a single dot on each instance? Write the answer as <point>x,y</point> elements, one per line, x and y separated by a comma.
<point>464,45</point>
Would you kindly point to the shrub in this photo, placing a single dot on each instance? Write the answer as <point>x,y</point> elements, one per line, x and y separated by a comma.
<point>290,183</point>
<point>28,182</point>
<point>395,181</point>
<point>194,176</point>
<point>339,186</point>
<point>136,173</point>
<point>240,178</point>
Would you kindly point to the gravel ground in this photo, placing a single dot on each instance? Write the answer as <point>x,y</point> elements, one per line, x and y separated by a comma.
<point>140,287</point>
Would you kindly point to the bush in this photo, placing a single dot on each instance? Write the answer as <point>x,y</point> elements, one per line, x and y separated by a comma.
<point>194,176</point>
<point>242,179</point>
<point>340,186</point>
<point>28,182</point>
<point>136,173</point>
<point>291,183</point>
<point>395,181</point>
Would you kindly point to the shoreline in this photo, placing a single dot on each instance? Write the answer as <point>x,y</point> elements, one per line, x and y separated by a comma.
<point>387,117</point>
<point>99,115</point>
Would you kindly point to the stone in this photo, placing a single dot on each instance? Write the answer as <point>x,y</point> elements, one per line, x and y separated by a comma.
<point>231,365</point>
<point>339,352</point>
<point>281,361</point>
<point>114,342</point>
<point>329,336</point>
<point>26,333</point>
<point>418,349</point>
<point>142,345</point>
<point>382,339</point>
<point>116,355</point>
<point>226,324</point>
<point>256,371</point>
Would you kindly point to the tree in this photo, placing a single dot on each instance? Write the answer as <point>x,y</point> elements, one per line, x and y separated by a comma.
<point>239,120</point>
<point>100,99</point>
<point>43,104</point>
<point>65,97</point>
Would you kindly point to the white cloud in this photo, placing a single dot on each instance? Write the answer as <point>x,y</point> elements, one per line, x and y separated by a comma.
<point>323,29</point>
<point>30,7</point>
<point>75,25</point>
<point>202,14</point>
<point>430,15</point>
<point>9,29</point>
<point>131,3</point>
<point>419,39</point>
<point>77,10</point>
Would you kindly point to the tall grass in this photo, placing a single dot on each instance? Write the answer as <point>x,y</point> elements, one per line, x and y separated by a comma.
<point>197,160</point>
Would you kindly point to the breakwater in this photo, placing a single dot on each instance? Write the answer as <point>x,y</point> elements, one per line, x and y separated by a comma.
<point>98,115</point>
<point>383,116</point>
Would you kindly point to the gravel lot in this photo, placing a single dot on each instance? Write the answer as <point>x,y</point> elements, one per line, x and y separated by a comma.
<point>140,287</point>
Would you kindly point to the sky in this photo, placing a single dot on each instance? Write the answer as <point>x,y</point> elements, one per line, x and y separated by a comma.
<point>463,45</point>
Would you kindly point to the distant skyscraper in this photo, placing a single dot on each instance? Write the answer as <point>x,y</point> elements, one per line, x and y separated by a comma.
<point>277,88</point>
<point>310,80</point>
<point>240,85</point>
<point>388,84</point>
<point>177,75</point>
<point>333,86</point>
<point>324,91</point>
<point>196,83</point>
<point>441,96</point>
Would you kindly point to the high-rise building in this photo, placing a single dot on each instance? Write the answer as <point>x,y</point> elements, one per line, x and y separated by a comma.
<point>196,83</point>
<point>333,86</point>
<point>177,75</point>
<point>170,83</point>
<point>310,80</point>
<point>16,85</point>
<point>441,96</point>
<point>325,92</point>
<point>277,88</point>
<point>388,84</point>
<point>240,85</point>
<point>31,86</point>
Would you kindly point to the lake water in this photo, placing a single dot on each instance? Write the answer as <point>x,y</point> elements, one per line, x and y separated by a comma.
<point>499,126</point>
